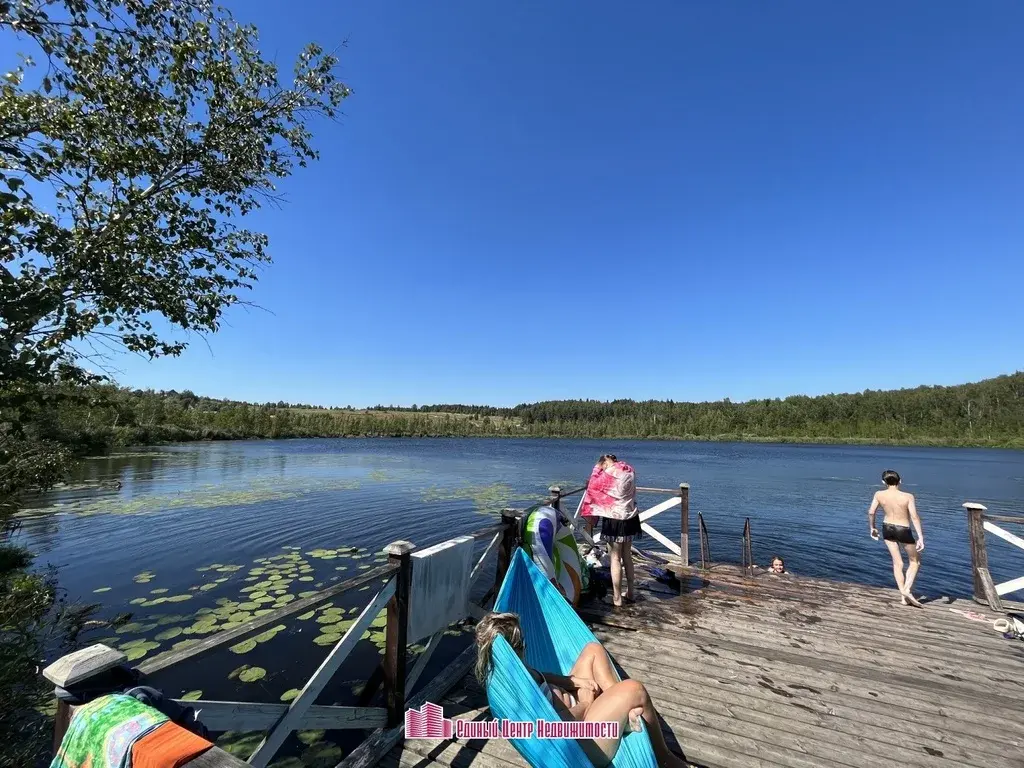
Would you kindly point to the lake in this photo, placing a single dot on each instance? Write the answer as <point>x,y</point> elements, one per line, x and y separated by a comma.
<point>200,535</point>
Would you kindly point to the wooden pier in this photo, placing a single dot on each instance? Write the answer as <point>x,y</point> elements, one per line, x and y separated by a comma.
<point>746,668</point>
<point>789,671</point>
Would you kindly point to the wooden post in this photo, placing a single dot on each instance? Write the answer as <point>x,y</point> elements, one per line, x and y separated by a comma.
<point>70,671</point>
<point>509,540</point>
<point>395,651</point>
<point>556,497</point>
<point>979,555</point>
<point>684,512</point>
<point>748,556</point>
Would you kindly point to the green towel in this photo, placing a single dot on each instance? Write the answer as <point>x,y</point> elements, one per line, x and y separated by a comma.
<point>102,732</point>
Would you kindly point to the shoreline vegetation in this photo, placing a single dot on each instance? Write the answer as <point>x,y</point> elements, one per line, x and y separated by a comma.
<point>98,419</point>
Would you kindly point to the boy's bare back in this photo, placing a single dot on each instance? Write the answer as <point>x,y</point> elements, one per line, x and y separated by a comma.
<point>897,505</point>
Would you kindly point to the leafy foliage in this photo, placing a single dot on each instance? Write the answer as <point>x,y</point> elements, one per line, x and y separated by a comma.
<point>990,412</point>
<point>135,137</point>
<point>155,127</point>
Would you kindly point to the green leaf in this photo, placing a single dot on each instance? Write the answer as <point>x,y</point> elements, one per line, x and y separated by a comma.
<point>252,674</point>
<point>243,647</point>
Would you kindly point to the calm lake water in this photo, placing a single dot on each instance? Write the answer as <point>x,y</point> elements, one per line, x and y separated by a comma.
<point>200,535</point>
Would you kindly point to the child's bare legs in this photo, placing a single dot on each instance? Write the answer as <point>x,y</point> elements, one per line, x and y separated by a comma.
<point>615,564</point>
<point>621,703</point>
<point>914,563</point>
<point>897,571</point>
<point>627,558</point>
<point>594,664</point>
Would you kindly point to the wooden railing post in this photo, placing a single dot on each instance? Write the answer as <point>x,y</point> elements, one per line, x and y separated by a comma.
<point>705,545</point>
<point>979,557</point>
<point>684,521</point>
<point>83,666</point>
<point>395,650</point>
<point>747,556</point>
<point>556,497</point>
<point>509,540</point>
<point>984,589</point>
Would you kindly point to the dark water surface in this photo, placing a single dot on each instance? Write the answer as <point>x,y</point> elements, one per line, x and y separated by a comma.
<point>236,505</point>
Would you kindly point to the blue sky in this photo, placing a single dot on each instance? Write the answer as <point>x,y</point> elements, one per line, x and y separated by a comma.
<point>666,199</point>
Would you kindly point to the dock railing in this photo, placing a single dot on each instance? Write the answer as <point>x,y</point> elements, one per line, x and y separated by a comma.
<point>423,592</point>
<point>678,498</point>
<point>980,522</point>
<point>747,555</point>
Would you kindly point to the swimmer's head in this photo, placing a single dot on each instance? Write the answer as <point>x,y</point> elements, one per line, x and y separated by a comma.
<point>891,477</point>
<point>607,460</point>
<point>490,626</point>
<point>778,565</point>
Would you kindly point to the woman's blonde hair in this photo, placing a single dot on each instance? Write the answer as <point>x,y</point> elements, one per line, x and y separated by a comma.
<point>490,626</point>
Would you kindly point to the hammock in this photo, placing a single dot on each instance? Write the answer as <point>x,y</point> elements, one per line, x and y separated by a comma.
<point>554,637</point>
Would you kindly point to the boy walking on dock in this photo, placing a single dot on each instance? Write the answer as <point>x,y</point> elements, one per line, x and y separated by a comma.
<point>900,512</point>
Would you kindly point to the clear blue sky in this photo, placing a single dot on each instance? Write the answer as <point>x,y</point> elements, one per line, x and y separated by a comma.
<point>664,199</point>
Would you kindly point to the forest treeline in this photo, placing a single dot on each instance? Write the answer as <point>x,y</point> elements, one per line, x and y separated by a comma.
<point>989,412</point>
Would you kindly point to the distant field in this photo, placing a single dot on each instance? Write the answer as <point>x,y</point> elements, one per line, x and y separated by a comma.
<point>436,416</point>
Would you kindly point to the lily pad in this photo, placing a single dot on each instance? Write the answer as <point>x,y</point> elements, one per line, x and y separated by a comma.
<point>160,591</point>
<point>323,755</point>
<point>263,637</point>
<point>252,674</point>
<point>329,638</point>
<point>178,598</point>
<point>290,694</point>
<point>101,589</point>
<point>168,634</point>
<point>306,616</point>
<point>243,647</point>
<point>309,738</point>
<point>241,745</point>
<point>191,696</point>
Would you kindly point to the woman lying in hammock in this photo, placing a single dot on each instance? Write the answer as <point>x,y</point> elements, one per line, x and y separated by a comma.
<point>591,692</point>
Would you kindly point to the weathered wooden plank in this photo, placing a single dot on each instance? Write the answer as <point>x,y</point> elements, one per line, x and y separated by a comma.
<point>250,716</point>
<point>716,659</point>
<point>827,634</point>
<point>674,692</point>
<point>1009,586</point>
<point>975,684</point>
<point>396,651</point>
<point>478,568</point>
<point>169,658</point>
<point>657,509</point>
<point>291,719</point>
<point>422,661</point>
<point>381,741</point>
<point>1005,535</point>
<point>83,664</point>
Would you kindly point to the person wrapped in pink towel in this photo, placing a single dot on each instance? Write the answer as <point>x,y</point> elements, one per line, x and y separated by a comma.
<point>611,496</point>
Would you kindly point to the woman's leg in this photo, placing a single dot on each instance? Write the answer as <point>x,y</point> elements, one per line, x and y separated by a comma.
<point>627,558</point>
<point>615,564</point>
<point>594,664</point>
<point>623,701</point>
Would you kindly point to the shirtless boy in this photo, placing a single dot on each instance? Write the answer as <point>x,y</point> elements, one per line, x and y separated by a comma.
<point>900,512</point>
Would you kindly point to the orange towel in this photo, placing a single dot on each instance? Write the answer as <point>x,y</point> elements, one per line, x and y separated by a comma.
<point>168,746</point>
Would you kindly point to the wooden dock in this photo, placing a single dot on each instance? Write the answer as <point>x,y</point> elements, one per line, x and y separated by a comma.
<point>789,671</point>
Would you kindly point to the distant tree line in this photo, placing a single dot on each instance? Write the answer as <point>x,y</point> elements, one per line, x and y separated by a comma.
<point>989,412</point>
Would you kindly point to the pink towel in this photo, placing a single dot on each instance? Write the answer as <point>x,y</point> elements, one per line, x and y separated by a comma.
<point>611,493</point>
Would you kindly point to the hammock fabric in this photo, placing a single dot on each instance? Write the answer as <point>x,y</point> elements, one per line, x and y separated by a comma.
<point>554,637</point>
